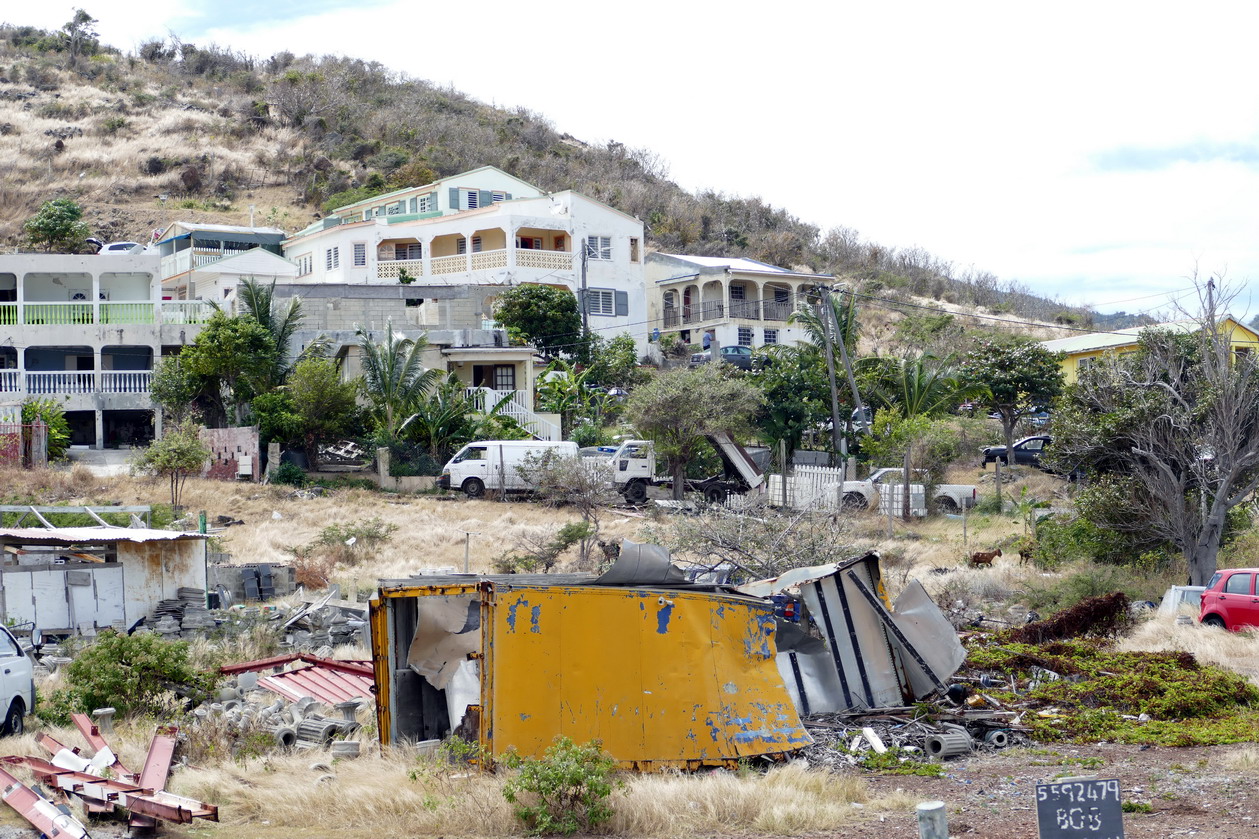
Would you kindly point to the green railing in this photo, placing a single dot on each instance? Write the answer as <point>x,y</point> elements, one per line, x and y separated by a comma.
<point>8,314</point>
<point>127,313</point>
<point>59,314</point>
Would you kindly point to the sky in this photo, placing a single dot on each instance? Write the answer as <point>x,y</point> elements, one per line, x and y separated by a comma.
<point>1101,153</point>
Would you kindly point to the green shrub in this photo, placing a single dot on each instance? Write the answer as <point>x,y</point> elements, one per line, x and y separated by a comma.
<point>125,672</point>
<point>565,791</point>
<point>289,474</point>
<point>54,417</point>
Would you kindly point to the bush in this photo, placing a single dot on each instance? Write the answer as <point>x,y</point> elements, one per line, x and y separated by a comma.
<point>289,474</point>
<point>565,791</point>
<point>54,417</point>
<point>128,673</point>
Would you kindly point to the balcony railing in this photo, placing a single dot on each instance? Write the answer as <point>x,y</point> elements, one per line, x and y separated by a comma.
<point>126,381</point>
<point>10,381</point>
<point>710,310</point>
<point>777,311</point>
<point>746,309</point>
<point>8,314</point>
<point>59,383</point>
<point>671,318</point>
<point>127,313</point>
<point>389,269</point>
<point>186,311</point>
<point>58,314</point>
<point>517,404</point>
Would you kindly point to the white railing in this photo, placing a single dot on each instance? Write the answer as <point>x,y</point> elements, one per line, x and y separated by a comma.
<point>186,311</point>
<point>449,264</point>
<point>391,269</point>
<point>128,313</point>
<point>487,260</point>
<point>808,488</point>
<point>126,381</point>
<point>10,382</point>
<point>484,399</point>
<point>544,260</point>
<point>68,382</point>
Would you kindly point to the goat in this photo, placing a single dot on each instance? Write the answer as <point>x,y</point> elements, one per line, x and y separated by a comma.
<point>984,557</point>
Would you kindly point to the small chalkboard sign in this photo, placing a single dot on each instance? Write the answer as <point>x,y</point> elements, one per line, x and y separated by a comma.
<point>1079,809</point>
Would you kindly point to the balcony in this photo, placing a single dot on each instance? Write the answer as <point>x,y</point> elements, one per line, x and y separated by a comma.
<point>710,310</point>
<point>58,314</point>
<point>746,309</point>
<point>77,382</point>
<point>777,311</point>
<point>140,313</point>
<point>186,311</point>
<point>463,263</point>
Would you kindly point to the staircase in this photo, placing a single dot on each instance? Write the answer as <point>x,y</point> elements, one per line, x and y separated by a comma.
<point>484,399</point>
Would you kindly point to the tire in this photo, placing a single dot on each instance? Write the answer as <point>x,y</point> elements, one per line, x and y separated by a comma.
<point>14,720</point>
<point>947,505</point>
<point>636,492</point>
<point>854,501</point>
<point>715,495</point>
<point>474,487</point>
<point>1215,621</point>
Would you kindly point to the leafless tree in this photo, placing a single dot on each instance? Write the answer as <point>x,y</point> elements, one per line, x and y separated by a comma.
<point>1175,428</point>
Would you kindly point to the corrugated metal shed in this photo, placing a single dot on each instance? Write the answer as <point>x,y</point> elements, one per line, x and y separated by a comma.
<point>77,535</point>
<point>328,680</point>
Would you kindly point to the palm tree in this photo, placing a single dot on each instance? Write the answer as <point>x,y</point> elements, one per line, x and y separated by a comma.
<point>844,307</point>
<point>394,378</point>
<point>258,302</point>
<point>916,386</point>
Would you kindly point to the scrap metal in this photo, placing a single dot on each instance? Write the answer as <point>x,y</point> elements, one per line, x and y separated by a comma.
<point>39,811</point>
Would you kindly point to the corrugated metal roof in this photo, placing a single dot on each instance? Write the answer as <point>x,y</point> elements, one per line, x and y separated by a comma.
<point>1115,338</point>
<point>326,684</point>
<point>737,264</point>
<point>74,535</point>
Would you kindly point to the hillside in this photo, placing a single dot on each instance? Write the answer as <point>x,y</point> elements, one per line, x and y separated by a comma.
<point>205,133</point>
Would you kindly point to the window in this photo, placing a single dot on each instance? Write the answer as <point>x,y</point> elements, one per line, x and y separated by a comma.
<point>529,243</point>
<point>462,245</point>
<point>497,196</point>
<point>771,336</point>
<point>633,249</point>
<point>425,204</point>
<point>1238,584</point>
<point>360,254</point>
<point>600,301</point>
<point>559,243</point>
<point>782,295</point>
<point>470,198</point>
<point>305,264</point>
<point>738,291</point>
<point>393,209</point>
<point>412,205</point>
<point>598,247</point>
<point>745,336</point>
<point>504,377</point>
<point>8,648</point>
<point>332,258</point>
<point>413,250</point>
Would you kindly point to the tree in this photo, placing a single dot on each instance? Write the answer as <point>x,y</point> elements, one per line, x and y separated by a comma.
<point>614,363</point>
<point>575,483</point>
<point>915,386</point>
<point>178,454</point>
<point>544,316</point>
<point>394,379</point>
<point>444,419</point>
<point>280,322</point>
<point>58,225</point>
<point>235,357</point>
<point>1174,429</point>
<point>797,395</point>
<point>678,407</point>
<point>323,403</point>
<point>562,390</point>
<point>80,36</point>
<point>175,390</point>
<point>1018,376</point>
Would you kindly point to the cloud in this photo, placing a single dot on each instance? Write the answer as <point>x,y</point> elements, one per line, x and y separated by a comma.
<point>1153,159</point>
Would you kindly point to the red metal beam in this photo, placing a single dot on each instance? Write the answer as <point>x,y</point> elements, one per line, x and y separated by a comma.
<point>156,768</point>
<point>40,812</point>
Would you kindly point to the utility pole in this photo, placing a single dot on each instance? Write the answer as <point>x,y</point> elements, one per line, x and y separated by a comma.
<point>832,318</point>
<point>585,307</point>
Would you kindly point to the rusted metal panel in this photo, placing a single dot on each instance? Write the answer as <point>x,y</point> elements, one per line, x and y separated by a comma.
<point>40,812</point>
<point>97,535</point>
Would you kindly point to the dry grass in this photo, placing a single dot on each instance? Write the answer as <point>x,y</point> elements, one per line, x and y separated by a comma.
<point>1237,651</point>
<point>398,794</point>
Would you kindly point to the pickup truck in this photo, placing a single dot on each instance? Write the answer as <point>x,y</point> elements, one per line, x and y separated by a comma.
<point>634,470</point>
<point>949,498</point>
<point>17,685</point>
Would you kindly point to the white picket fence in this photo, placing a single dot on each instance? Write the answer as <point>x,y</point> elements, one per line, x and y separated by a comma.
<point>808,488</point>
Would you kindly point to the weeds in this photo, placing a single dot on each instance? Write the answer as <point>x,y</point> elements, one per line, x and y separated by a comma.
<point>896,761</point>
<point>565,791</point>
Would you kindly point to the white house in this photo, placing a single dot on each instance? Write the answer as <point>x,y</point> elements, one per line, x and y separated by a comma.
<point>85,331</point>
<point>734,301</point>
<point>485,228</point>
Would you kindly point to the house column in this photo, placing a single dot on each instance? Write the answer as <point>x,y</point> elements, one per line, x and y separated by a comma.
<point>100,428</point>
<point>426,255</point>
<point>96,297</point>
<point>510,243</point>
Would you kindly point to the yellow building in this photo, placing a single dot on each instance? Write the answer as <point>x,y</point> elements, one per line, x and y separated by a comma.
<point>1079,351</point>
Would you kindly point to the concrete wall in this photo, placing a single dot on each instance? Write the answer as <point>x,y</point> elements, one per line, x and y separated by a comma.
<point>227,446</point>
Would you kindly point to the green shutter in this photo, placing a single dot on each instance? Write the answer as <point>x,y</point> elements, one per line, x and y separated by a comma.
<point>454,198</point>
<point>486,199</point>
<point>622,304</point>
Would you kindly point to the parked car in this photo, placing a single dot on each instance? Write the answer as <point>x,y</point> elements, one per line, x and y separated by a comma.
<point>1230,600</point>
<point>17,685</point>
<point>1026,451</point>
<point>739,356</point>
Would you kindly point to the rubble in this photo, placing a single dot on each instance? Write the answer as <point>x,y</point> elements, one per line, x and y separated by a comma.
<point>841,739</point>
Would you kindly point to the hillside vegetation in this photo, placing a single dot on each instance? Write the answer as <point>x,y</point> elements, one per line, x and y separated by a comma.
<point>204,132</point>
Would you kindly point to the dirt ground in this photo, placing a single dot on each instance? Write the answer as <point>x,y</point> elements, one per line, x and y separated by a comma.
<point>1192,792</point>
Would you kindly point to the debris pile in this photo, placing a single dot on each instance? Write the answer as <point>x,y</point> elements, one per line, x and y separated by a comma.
<point>841,739</point>
<point>101,782</point>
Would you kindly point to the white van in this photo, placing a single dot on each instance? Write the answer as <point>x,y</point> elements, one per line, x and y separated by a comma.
<point>492,464</point>
<point>17,687</point>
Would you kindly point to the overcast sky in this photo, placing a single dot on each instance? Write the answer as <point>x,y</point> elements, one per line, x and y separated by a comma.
<point>1100,152</point>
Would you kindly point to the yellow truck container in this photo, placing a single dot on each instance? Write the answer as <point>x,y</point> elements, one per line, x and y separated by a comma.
<point>665,675</point>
